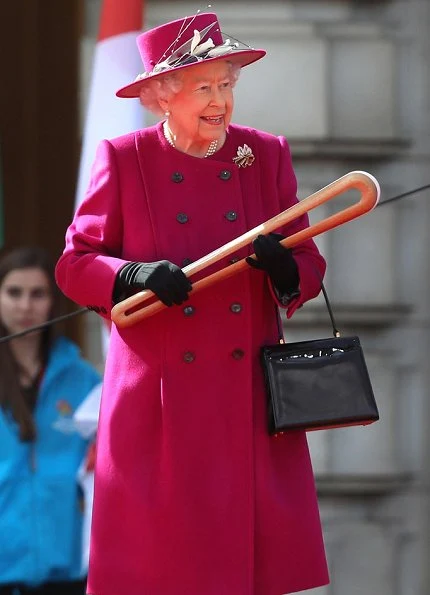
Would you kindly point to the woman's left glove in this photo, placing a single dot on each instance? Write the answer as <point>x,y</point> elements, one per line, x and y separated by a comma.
<point>278,262</point>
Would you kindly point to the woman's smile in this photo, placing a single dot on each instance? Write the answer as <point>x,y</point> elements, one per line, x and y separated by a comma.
<point>213,120</point>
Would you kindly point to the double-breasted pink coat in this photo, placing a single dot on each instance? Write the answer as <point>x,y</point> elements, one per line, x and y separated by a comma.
<point>192,496</point>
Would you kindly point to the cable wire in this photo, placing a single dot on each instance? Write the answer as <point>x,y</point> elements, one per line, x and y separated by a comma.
<point>85,310</point>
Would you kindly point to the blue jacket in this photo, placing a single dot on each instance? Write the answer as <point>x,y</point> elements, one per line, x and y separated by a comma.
<point>40,505</point>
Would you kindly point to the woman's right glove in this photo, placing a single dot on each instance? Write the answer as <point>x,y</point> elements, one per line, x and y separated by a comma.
<point>164,278</point>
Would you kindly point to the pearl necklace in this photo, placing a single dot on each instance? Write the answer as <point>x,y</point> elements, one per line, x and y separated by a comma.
<point>169,137</point>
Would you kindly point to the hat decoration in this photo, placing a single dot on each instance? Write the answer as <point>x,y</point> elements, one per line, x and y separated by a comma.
<point>192,51</point>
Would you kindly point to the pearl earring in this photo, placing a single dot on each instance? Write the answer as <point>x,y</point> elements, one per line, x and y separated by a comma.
<point>167,114</point>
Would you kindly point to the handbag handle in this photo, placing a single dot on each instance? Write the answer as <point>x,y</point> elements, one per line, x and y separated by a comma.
<point>336,332</point>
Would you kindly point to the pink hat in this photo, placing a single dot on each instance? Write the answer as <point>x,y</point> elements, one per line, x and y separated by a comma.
<point>184,43</point>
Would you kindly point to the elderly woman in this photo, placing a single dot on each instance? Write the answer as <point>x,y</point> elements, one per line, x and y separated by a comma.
<point>192,496</point>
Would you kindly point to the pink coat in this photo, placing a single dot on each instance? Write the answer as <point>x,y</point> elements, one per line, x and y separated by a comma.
<point>193,497</point>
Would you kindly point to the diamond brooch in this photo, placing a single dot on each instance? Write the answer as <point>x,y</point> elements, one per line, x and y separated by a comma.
<point>244,156</point>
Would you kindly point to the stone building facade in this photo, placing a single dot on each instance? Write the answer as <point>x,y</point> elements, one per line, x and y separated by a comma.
<point>348,83</point>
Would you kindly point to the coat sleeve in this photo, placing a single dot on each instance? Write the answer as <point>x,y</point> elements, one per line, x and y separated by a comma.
<point>310,262</point>
<point>87,269</point>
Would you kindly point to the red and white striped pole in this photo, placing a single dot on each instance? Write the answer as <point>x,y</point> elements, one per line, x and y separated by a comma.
<point>116,63</point>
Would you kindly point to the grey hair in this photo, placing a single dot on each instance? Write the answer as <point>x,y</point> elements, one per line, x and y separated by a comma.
<point>164,87</point>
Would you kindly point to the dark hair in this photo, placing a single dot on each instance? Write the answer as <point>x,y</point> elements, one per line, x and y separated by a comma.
<point>12,398</point>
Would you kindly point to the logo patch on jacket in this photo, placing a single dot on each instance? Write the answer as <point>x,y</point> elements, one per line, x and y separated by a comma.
<point>64,422</point>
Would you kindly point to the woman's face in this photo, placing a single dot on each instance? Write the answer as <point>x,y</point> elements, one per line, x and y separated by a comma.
<point>25,299</point>
<point>201,111</point>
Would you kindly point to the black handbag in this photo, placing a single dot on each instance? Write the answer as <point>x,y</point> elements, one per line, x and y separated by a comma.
<point>318,384</point>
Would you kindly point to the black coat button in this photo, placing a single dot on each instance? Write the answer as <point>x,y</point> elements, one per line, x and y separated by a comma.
<point>182,218</point>
<point>177,177</point>
<point>189,357</point>
<point>189,310</point>
<point>236,308</point>
<point>186,262</point>
<point>225,174</point>
<point>231,215</point>
<point>237,353</point>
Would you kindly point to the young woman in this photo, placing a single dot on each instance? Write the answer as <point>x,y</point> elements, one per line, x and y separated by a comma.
<point>192,495</point>
<point>43,380</point>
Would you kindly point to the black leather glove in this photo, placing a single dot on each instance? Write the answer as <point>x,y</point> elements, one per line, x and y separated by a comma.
<point>162,277</point>
<point>278,262</point>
